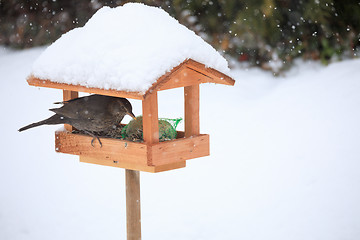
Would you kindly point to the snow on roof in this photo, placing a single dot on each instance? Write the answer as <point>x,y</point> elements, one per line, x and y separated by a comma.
<point>124,48</point>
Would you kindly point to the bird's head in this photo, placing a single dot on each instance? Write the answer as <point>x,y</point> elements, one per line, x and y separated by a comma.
<point>123,107</point>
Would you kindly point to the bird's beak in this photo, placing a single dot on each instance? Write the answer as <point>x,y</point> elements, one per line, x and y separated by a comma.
<point>131,115</point>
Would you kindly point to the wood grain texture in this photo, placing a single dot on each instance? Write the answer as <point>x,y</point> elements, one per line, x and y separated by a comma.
<point>112,150</point>
<point>217,77</point>
<point>116,152</point>
<point>132,166</point>
<point>150,122</point>
<point>133,214</point>
<point>185,77</point>
<point>164,79</point>
<point>192,108</point>
<point>33,81</point>
<point>189,73</point>
<point>118,164</point>
<point>170,166</point>
<point>180,150</point>
<point>68,95</point>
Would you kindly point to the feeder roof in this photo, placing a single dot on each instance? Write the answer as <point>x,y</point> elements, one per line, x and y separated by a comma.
<point>132,49</point>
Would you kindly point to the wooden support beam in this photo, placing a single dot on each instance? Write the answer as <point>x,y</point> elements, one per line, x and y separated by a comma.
<point>150,122</point>
<point>33,81</point>
<point>133,215</point>
<point>192,117</point>
<point>68,95</point>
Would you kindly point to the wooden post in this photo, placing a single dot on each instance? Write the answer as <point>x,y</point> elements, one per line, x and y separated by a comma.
<point>68,95</point>
<point>192,119</point>
<point>150,122</point>
<point>133,216</point>
<point>151,136</point>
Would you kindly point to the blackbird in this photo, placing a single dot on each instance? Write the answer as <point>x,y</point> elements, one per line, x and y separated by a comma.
<point>95,115</point>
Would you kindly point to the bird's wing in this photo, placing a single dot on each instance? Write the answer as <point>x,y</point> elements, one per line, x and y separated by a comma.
<point>89,108</point>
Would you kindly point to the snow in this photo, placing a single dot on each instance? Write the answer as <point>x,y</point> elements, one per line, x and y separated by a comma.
<point>133,45</point>
<point>284,163</point>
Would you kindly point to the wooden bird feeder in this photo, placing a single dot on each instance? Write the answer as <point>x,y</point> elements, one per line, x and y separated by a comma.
<point>150,155</point>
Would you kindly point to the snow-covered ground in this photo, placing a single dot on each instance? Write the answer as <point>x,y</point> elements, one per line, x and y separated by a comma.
<point>284,164</point>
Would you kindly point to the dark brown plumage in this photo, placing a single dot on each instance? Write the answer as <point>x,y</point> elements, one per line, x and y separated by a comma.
<point>95,115</point>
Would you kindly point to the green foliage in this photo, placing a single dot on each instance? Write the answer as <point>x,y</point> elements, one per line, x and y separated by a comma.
<point>310,28</point>
<point>257,31</point>
<point>26,24</point>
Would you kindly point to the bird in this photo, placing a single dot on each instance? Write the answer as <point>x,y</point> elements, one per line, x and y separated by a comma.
<point>95,115</point>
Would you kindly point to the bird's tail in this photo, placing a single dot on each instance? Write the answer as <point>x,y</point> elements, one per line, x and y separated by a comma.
<point>55,119</point>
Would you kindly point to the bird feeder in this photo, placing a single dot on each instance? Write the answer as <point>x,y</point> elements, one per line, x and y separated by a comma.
<point>150,155</point>
<point>117,38</point>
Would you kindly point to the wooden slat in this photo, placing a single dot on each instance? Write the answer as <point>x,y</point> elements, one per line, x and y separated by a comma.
<point>68,95</point>
<point>126,165</point>
<point>112,149</point>
<point>217,77</point>
<point>138,167</point>
<point>180,149</point>
<point>33,81</point>
<point>185,77</point>
<point>164,79</point>
<point>150,122</point>
<point>166,155</point>
<point>170,166</point>
<point>188,73</point>
<point>192,118</point>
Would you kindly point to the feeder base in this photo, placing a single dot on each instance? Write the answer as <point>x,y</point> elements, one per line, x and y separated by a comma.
<point>144,168</point>
<point>162,156</point>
